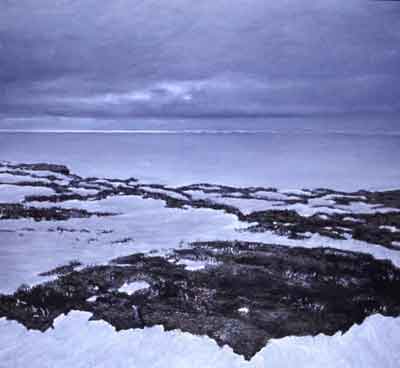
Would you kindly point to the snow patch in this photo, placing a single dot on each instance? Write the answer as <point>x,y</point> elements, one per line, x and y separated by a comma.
<point>353,219</point>
<point>133,287</point>
<point>392,229</point>
<point>192,265</point>
<point>169,193</point>
<point>14,193</point>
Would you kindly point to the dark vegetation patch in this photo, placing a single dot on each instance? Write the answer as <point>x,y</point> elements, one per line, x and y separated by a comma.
<point>366,227</point>
<point>58,169</point>
<point>62,270</point>
<point>17,211</point>
<point>248,294</point>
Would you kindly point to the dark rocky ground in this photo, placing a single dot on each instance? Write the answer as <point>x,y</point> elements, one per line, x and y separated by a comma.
<point>367,227</point>
<point>285,291</point>
<point>12,211</point>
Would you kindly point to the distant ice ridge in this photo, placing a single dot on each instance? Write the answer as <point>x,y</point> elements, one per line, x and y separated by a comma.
<point>76,342</point>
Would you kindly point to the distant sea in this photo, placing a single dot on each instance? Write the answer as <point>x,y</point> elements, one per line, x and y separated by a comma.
<point>345,153</point>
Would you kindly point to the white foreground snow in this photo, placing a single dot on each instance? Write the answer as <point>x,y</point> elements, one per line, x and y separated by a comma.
<point>76,342</point>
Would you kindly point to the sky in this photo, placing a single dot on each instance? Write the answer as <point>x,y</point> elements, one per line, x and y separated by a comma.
<point>220,58</point>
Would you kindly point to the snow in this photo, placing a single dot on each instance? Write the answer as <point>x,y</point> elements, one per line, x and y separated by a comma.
<point>192,265</point>
<point>301,192</point>
<point>392,229</point>
<point>152,226</point>
<point>361,207</point>
<point>77,342</point>
<point>247,206</point>
<point>197,194</point>
<point>169,193</point>
<point>320,202</point>
<point>132,287</point>
<point>23,255</point>
<point>272,196</point>
<point>14,193</point>
<point>209,187</point>
<point>265,200</point>
<point>327,207</point>
<point>353,219</point>
<point>9,179</point>
<point>85,191</point>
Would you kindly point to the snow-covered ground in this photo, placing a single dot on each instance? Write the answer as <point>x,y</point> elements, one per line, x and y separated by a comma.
<point>145,225</point>
<point>264,200</point>
<point>28,248</point>
<point>77,342</point>
<point>151,226</point>
<point>13,194</point>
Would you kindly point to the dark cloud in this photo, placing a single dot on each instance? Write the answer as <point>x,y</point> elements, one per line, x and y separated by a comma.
<point>179,58</point>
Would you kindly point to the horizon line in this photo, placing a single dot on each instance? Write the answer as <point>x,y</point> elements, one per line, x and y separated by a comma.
<point>197,131</point>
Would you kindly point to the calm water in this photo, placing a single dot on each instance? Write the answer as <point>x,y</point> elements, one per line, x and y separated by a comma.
<point>307,154</point>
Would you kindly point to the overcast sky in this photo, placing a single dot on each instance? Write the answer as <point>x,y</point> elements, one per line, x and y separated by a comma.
<point>121,58</point>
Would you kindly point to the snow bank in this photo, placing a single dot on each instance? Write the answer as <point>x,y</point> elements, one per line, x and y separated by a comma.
<point>76,342</point>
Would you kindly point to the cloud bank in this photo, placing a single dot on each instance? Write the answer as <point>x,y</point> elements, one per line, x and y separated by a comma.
<point>210,58</point>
